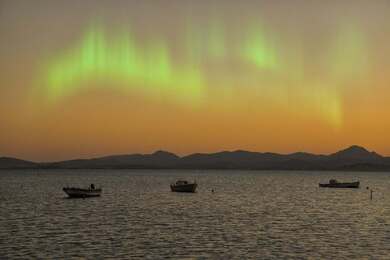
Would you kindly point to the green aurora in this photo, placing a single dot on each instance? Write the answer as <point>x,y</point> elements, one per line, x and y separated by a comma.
<point>184,74</point>
<point>149,66</point>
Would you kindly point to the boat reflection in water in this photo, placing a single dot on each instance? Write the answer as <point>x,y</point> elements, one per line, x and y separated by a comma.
<point>74,192</point>
<point>335,184</point>
<point>183,186</point>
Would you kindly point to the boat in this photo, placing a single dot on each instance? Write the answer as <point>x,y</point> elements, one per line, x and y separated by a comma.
<point>183,186</point>
<point>335,184</point>
<point>74,192</point>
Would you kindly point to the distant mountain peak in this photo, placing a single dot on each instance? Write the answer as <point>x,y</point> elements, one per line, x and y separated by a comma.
<point>162,153</point>
<point>357,148</point>
<point>356,151</point>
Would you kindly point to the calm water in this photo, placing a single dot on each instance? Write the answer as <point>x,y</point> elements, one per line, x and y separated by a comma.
<point>267,215</point>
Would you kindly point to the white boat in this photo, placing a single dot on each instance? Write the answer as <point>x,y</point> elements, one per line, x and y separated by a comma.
<point>183,186</point>
<point>75,192</point>
<point>336,184</point>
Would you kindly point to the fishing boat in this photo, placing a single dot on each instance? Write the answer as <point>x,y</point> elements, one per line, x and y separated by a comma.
<point>183,186</point>
<point>335,184</point>
<point>74,192</point>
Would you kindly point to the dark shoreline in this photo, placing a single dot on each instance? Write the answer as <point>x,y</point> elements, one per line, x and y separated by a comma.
<point>354,158</point>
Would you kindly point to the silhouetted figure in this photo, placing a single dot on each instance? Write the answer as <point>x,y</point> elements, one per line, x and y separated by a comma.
<point>92,186</point>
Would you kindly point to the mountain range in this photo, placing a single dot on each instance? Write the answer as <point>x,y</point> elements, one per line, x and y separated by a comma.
<point>354,158</point>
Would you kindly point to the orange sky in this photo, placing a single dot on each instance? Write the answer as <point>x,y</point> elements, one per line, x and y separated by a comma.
<point>304,77</point>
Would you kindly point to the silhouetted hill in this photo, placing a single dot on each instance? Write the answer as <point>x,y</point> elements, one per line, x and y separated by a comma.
<point>355,153</point>
<point>13,163</point>
<point>159,159</point>
<point>354,158</point>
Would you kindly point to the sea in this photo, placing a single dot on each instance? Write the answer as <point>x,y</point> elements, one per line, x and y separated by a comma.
<point>250,215</point>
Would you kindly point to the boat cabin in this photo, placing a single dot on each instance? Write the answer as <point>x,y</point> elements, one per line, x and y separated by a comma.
<point>181,182</point>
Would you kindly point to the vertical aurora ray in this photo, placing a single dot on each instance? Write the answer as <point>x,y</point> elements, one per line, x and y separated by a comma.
<point>348,54</point>
<point>324,100</point>
<point>347,62</point>
<point>259,51</point>
<point>216,40</point>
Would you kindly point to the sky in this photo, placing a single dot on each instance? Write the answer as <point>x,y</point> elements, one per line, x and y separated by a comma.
<point>81,79</point>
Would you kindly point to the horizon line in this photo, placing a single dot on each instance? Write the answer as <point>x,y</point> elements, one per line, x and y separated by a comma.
<point>182,156</point>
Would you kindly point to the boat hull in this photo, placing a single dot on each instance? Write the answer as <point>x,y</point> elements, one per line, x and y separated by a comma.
<point>82,193</point>
<point>340,185</point>
<point>191,187</point>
